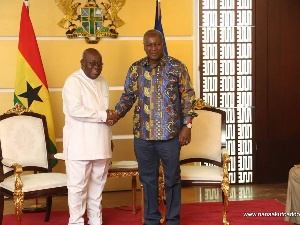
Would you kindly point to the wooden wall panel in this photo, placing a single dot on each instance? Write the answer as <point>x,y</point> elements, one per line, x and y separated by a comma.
<point>261,79</point>
<point>277,89</point>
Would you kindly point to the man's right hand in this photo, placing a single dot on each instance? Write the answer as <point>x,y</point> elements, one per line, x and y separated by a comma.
<point>112,117</point>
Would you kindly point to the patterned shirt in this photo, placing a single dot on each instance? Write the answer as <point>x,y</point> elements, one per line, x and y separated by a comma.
<point>164,96</point>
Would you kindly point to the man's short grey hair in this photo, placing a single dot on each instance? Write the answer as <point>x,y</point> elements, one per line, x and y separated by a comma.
<point>152,31</point>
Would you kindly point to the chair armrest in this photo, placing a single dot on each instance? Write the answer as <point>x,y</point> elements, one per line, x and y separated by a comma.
<point>225,160</point>
<point>18,169</point>
<point>12,164</point>
<point>225,180</point>
<point>56,156</point>
<point>8,162</point>
<point>59,156</point>
<point>225,156</point>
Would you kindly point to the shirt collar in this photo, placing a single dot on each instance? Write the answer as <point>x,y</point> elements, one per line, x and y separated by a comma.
<point>163,60</point>
<point>93,81</point>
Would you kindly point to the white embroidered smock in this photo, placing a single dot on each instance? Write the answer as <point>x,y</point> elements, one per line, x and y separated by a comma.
<point>86,136</point>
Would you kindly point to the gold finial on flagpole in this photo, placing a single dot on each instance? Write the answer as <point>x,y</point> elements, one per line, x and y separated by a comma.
<point>158,7</point>
<point>26,2</point>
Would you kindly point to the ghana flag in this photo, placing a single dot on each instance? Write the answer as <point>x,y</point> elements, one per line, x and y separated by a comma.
<point>31,88</point>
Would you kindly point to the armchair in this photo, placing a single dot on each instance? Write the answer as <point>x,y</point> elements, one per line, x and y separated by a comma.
<point>204,162</point>
<point>24,146</point>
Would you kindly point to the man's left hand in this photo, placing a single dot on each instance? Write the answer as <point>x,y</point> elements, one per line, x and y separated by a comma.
<point>185,136</point>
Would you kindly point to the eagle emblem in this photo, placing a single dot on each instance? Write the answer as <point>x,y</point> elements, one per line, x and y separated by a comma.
<point>91,20</point>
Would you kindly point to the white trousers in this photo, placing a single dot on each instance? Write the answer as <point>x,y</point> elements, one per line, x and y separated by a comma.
<point>86,180</point>
<point>293,196</point>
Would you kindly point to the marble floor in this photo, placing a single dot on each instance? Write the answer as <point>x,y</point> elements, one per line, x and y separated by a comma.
<point>192,194</point>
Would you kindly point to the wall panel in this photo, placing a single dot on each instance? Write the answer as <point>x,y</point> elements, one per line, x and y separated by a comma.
<point>8,63</point>
<point>6,101</point>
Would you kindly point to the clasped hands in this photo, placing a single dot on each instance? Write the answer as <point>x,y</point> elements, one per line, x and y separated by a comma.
<point>112,117</point>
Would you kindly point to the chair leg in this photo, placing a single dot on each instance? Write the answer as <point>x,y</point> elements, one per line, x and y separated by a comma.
<point>18,201</point>
<point>48,208</point>
<point>142,203</point>
<point>225,186</point>
<point>225,200</point>
<point>133,189</point>
<point>161,193</point>
<point>18,193</point>
<point>1,207</point>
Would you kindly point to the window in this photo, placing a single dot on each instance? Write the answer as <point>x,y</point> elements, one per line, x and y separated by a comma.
<point>226,75</point>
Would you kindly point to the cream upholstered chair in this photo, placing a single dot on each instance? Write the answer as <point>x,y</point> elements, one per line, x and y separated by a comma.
<point>204,162</point>
<point>24,146</point>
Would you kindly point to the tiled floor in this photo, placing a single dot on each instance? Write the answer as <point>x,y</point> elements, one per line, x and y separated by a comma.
<point>123,198</point>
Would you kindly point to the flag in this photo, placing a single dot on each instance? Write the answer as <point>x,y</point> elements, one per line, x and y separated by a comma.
<point>158,25</point>
<point>31,88</point>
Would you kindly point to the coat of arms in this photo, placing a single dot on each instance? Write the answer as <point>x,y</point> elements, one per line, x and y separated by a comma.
<point>91,20</point>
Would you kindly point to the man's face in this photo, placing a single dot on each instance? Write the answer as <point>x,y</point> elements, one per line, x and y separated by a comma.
<point>154,48</point>
<point>91,64</point>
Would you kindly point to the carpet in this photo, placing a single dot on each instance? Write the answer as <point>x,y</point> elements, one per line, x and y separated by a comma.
<point>254,212</point>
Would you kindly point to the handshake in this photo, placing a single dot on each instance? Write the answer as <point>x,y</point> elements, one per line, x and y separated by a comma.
<point>112,117</point>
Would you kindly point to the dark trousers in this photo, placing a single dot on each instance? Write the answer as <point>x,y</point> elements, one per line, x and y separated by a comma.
<point>148,154</point>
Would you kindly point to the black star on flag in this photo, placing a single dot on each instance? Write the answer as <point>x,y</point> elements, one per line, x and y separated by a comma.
<point>32,94</point>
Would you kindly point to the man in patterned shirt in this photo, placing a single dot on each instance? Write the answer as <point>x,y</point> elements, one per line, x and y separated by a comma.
<point>162,90</point>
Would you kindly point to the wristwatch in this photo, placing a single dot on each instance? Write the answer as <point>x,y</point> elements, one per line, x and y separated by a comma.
<point>189,125</point>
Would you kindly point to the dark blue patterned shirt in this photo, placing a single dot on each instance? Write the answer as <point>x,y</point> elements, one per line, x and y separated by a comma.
<point>163,95</point>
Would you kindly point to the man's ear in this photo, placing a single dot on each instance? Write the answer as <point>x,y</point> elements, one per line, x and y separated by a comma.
<point>81,62</point>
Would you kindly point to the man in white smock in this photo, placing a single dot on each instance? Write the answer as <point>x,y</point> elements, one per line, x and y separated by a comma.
<point>87,138</point>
